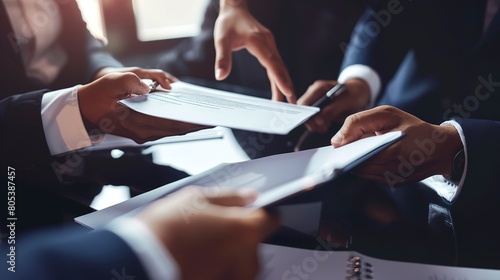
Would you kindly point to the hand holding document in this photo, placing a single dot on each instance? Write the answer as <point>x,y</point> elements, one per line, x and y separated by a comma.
<point>275,178</point>
<point>201,105</point>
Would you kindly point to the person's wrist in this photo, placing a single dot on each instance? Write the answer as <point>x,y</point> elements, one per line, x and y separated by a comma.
<point>360,91</point>
<point>102,72</point>
<point>447,150</point>
<point>82,92</point>
<point>233,4</point>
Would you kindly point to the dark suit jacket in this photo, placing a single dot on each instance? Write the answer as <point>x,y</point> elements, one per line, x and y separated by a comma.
<point>41,201</point>
<point>435,62</point>
<point>476,211</point>
<point>86,55</point>
<point>72,254</point>
<point>430,55</point>
<point>62,254</point>
<point>39,198</point>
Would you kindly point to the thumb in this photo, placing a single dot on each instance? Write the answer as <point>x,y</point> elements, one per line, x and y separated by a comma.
<point>369,122</point>
<point>123,85</point>
<point>265,222</point>
<point>223,58</point>
<point>231,198</point>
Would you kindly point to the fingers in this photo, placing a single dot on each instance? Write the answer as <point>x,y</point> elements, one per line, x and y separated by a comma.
<point>276,93</point>
<point>316,91</point>
<point>223,57</point>
<point>121,85</point>
<point>237,29</point>
<point>321,121</point>
<point>383,118</point>
<point>229,197</point>
<point>263,47</point>
<point>264,222</point>
<point>260,220</point>
<point>165,79</point>
<point>132,84</point>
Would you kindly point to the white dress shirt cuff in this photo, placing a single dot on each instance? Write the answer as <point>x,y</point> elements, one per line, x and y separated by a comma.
<point>462,138</point>
<point>62,122</point>
<point>359,71</point>
<point>156,261</point>
<point>445,188</point>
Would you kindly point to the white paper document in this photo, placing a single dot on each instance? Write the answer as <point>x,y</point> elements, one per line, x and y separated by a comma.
<point>114,142</point>
<point>201,105</point>
<point>279,262</point>
<point>274,178</point>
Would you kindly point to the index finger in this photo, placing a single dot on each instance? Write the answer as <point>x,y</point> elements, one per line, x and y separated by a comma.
<point>125,84</point>
<point>162,77</point>
<point>230,197</point>
<point>266,52</point>
<point>223,57</point>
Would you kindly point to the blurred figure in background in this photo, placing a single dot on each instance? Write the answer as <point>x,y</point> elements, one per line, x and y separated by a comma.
<point>46,45</point>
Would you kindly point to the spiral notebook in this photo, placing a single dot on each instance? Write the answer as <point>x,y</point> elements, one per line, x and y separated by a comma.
<point>278,262</point>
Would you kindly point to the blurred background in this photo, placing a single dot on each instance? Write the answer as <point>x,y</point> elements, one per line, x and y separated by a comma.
<point>132,26</point>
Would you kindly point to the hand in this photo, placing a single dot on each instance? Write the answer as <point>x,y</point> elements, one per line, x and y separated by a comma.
<point>207,235</point>
<point>100,110</point>
<point>236,29</point>
<point>354,99</point>
<point>164,78</point>
<point>426,149</point>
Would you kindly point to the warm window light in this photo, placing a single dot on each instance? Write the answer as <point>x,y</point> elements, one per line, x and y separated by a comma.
<point>167,19</point>
<point>155,19</point>
<point>91,13</point>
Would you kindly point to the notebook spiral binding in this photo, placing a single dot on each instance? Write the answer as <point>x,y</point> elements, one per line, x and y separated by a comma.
<point>359,270</point>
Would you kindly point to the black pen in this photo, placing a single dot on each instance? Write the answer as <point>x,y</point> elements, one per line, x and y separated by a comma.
<point>329,96</point>
<point>320,103</point>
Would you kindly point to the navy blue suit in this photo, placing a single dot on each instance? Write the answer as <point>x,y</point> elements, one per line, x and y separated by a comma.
<point>71,254</point>
<point>85,54</point>
<point>476,210</point>
<point>435,62</point>
<point>41,200</point>
<point>430,55</point>
<point>62,254</point>
<point>38,192</point>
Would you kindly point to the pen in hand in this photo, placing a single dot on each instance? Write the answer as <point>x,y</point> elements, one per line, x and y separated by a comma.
<point>329,96</point>
<point>153,85</point>
<point>320,103</point>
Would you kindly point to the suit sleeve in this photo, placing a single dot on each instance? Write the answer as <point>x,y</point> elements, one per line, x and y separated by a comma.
<point>29,179</point>
<point>73,254</point>
<point>475,209</point>
<point>22,136</point>
<point>483,160</point>
<point>381,38</point>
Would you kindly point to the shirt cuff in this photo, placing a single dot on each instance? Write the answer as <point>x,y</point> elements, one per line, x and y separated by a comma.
<point>359,71</point>
<point>444,187</point>
<point>62,121</point>
<point>462,138</point>
<point>157,262</point>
